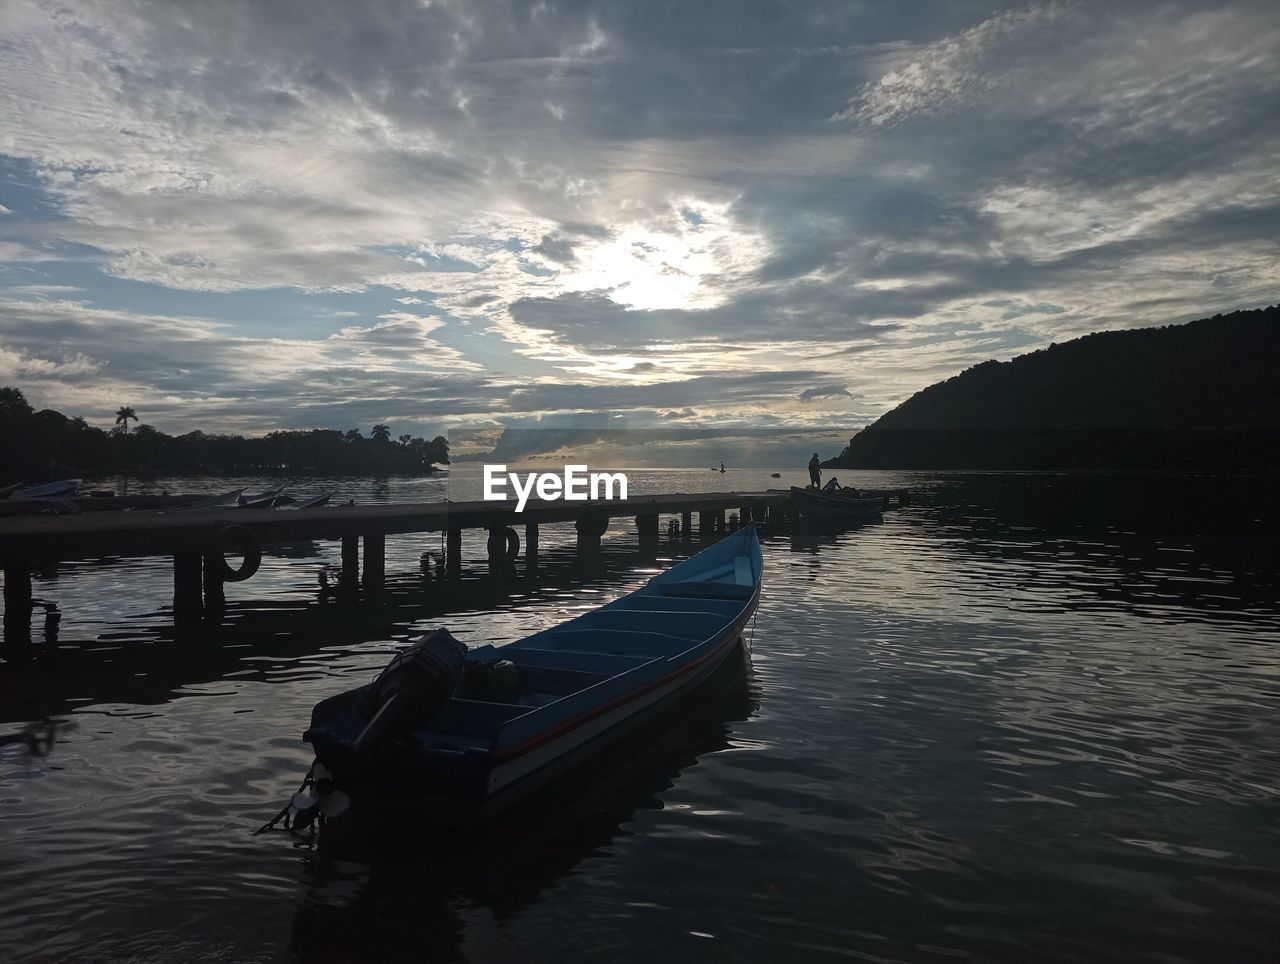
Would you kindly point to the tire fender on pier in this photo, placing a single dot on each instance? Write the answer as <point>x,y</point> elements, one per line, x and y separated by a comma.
<point>243,538</point>
<point>504,543</point>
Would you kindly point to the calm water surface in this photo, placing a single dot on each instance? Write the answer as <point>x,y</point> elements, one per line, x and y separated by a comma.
<point>1027,718</point>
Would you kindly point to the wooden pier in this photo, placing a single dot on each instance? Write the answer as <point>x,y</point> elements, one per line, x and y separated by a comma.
<point>198,540</point>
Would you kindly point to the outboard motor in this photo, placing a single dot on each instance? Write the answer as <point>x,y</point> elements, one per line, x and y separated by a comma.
<point>408,694</point>
<point>412,689</point>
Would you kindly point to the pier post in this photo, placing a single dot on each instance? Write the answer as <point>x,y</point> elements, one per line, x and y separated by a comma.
<point>496,547</point>
<point>17,604</point>
<point>591,524</point>
<point>531,544</point>
<point>188,600</point>
<point>705,524</point>
<point>686,525</point>
<point>453,551</point>
<point>349,580</point>
<point>719,514</point>
<point>215,596</point>
<point>647,525</point>
<point>375,561</point>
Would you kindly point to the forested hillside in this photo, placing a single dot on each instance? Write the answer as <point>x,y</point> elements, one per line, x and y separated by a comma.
<point>1204,395</point>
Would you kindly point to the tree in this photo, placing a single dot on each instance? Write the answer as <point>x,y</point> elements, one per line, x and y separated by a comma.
<point>380,433</point>
<point>352,435</point>
<point>13,404</point>
<point>438,451</point>
<point>123,414</point>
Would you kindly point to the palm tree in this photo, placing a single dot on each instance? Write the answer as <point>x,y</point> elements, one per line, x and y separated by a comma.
<point>123,414</point>
<point>380,433</point>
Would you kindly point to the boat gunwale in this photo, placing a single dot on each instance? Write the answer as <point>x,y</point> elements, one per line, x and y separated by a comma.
<point>714,643</point>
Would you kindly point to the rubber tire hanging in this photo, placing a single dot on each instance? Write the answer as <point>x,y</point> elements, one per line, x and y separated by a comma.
<point>242,536</point>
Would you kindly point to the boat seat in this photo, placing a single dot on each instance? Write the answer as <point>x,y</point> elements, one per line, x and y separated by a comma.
<point>719,607</point>
<point>548,656</point>
<point>460,717</point>
<point>673,622</point>
<point>622,642</point>
<point>708,590</point>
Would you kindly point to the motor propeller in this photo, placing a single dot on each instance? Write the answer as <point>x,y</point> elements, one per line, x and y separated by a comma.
<point>318,797</point>
<point>321,798</point>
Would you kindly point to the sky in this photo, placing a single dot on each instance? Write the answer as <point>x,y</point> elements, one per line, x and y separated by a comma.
<point>452,216</point>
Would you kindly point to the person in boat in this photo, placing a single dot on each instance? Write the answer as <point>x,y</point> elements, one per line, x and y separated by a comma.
<point>815,471</point>
<point>833,485</point>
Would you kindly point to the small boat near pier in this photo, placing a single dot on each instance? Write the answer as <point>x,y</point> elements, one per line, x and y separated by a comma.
<point>462,735</point>
<point>834,507</point>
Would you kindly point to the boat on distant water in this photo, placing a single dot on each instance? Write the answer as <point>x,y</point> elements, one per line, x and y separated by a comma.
<point>50,490</point>
<point>828,507</point>
<point>463,735</point>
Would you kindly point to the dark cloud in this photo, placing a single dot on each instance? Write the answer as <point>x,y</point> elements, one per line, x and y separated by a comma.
<point>802,310</point>
<point>555,248</point>
<point>824,392</point>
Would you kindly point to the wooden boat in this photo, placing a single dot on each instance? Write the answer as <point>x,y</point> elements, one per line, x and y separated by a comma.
<point>51,490</point>
<point>263,500</point>
<point>314,502</point>
<point>829,507</point>
<point>464,735</point>
<point>226,500</point>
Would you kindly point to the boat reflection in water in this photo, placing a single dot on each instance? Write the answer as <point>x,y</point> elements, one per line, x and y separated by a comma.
<point>807,536</point>
<point>392,889</point>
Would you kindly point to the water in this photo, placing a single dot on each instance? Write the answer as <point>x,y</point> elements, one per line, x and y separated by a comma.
<point>1026,718</point>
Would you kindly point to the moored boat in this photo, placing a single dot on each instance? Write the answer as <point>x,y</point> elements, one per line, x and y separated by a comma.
<point>227,500</point>
<point>50,490</point>
<point>315,502</point>
<point>463,735</point>
<point>828,507</point>
<point>262,500</point>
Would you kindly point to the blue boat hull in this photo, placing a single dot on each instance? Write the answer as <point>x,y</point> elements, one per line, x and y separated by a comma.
<point>582,685</point>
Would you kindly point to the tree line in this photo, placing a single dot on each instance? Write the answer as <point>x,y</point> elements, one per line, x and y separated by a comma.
<point>46,444</point>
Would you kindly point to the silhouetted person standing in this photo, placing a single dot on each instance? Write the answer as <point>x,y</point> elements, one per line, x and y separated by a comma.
<point>815,471</point>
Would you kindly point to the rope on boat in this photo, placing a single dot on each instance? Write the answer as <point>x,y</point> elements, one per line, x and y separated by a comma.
<point>284,814</point>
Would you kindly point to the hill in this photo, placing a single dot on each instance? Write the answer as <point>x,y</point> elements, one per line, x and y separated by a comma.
<point>1199,396</point>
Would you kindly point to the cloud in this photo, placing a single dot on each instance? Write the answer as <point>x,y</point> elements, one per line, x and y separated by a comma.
<point>824,392</point>
<point>581,205</point>
<point>957,69</point>
<point>555,248</point>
